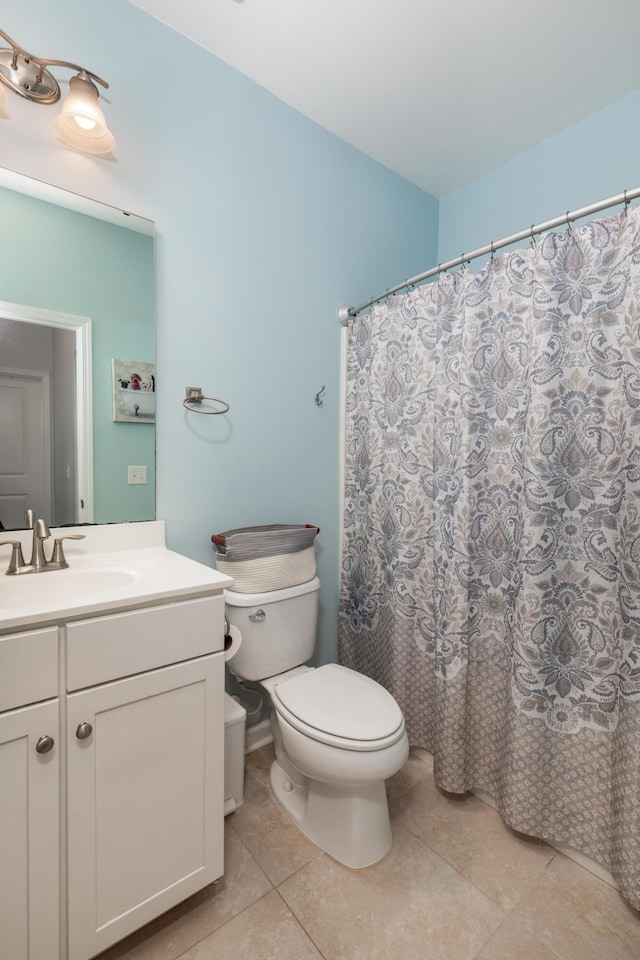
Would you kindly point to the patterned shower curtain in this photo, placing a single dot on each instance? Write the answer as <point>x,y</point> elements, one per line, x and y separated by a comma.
<point>491,571</point>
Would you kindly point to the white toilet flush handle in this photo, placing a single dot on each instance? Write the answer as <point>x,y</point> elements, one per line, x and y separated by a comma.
<point>258,616</point>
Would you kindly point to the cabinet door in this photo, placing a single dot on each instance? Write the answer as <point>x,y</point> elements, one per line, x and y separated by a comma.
<point>29,834</point>
<point>145,798</point>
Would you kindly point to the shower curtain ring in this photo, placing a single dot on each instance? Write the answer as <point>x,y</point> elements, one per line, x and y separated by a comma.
<point>626,204</point>
<point>569,230</point>
<point>493,252</point>
<point>533,239</point>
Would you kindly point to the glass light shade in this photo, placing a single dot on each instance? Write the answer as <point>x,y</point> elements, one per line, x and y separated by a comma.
<point>81,123</point>
<point>3,94</point>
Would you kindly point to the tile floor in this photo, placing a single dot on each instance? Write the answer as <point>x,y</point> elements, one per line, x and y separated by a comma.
<point>456,885</point>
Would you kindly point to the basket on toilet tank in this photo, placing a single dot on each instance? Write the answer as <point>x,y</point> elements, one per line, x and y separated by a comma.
<point>267,558</point>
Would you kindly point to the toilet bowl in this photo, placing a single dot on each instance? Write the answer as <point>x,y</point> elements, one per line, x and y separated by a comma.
<point>338,797</point>
<point>338,735</point>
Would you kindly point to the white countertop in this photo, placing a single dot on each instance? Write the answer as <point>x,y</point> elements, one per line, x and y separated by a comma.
<point>115,567</point>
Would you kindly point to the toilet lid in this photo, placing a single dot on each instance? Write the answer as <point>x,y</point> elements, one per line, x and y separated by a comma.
<point>340,702</point>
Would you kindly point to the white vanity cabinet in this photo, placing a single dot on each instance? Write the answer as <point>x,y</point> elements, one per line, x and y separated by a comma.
<point>145,790</point>
<point>29,796</point>
<point>111,741</point>
<point>111,769</point>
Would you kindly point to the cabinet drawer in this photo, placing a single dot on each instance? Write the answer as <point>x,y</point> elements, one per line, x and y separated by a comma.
<point>122,644</point>
<point>28,667</point>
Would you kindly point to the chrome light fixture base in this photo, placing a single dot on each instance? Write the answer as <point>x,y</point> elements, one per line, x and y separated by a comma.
<point>27,78</point>
<point>81,123</point>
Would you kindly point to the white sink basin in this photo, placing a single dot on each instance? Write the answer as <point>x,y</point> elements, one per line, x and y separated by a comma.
<point>114,568</point>
<point>40,589</point>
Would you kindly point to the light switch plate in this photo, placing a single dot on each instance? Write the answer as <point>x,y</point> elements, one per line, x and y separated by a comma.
<point>136,475</point>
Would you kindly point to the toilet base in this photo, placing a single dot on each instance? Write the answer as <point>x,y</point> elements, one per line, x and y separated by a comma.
<point>350,823</point>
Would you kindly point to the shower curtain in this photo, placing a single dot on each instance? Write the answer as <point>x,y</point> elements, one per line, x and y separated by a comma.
<point>491,576</point>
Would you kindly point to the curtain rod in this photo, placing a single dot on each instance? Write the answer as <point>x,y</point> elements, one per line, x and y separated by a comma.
<point>346,313</point>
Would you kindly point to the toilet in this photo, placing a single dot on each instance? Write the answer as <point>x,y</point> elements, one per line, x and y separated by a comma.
<point>337,734</point>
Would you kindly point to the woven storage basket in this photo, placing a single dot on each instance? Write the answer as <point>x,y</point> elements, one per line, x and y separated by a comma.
<point>267,558</point>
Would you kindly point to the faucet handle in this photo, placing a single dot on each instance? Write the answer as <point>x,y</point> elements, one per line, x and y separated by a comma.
<point>58,556</point>
<point>17,559</point>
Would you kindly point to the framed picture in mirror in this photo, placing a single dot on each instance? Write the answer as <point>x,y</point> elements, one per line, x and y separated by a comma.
<point>134,391</point>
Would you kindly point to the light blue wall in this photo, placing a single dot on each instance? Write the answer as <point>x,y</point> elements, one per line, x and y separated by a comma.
<point>589,161</point>
<point>275,224</point>
<point>71,263</point>
<point>266,223</point>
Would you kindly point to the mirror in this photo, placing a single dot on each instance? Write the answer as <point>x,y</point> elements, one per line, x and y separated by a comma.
<point>77,292</point>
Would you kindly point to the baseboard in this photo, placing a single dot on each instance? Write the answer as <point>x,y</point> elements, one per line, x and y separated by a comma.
<point>258,735</point>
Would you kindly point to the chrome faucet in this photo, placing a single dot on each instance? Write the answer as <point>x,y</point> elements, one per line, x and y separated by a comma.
<point>40,534</point>
<point>38,562</point>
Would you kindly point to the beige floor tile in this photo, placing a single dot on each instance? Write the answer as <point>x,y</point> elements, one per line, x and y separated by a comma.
<point>267,930</point>
<point>411,905</point>
<point>277,845</point>
<point>414,770</point>
<point>577,916</point>
<point>257,765</point>
<point>175,931</point>
<point>508,944</point>
<point>471,836</point>
<point>424,755</point>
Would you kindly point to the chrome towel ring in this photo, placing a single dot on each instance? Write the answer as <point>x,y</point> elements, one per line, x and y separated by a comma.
<point>195,397</point>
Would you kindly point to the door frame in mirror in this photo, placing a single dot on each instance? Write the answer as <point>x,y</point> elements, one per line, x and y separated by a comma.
<point>81,327</point>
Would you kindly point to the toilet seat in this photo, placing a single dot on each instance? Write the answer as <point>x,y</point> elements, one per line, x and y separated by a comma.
<point>337,706</point>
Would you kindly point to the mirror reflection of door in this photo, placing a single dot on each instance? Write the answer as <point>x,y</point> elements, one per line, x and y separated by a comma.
<point>25,441</point>
<point>37,402</point>
<point>96,279</point>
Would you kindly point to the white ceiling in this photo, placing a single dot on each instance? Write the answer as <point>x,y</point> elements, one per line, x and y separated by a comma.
<point>440,92</point>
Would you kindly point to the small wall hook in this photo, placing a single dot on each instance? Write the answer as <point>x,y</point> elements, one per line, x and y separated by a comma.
<point>318,400</point>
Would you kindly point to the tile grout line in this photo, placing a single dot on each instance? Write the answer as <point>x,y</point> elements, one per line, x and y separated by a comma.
<point>442,856</point>
<point>299,921</point>
<point>582,860</point>
<point>222,925</point>
<point>453,867</point>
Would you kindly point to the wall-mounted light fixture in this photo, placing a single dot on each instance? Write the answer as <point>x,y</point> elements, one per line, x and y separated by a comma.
<point>81,123</point>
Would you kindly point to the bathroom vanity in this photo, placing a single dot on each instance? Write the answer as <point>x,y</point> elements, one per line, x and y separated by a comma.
<point>111,741</point>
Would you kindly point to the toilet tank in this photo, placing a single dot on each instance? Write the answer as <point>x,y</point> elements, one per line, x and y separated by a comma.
<point>278,629</point>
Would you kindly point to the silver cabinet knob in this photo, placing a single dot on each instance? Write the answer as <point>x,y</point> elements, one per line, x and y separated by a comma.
<point>84,730</point>
<point>44,744</point>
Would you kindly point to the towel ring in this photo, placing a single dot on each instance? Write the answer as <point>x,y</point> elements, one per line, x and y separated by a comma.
<point>195,396</point>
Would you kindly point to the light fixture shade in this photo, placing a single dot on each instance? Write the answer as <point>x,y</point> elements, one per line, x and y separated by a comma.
<point>81,123</point>
<point>3,95</point>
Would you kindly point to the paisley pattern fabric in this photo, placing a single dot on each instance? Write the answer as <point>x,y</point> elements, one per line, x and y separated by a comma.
<point>491,564</point>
